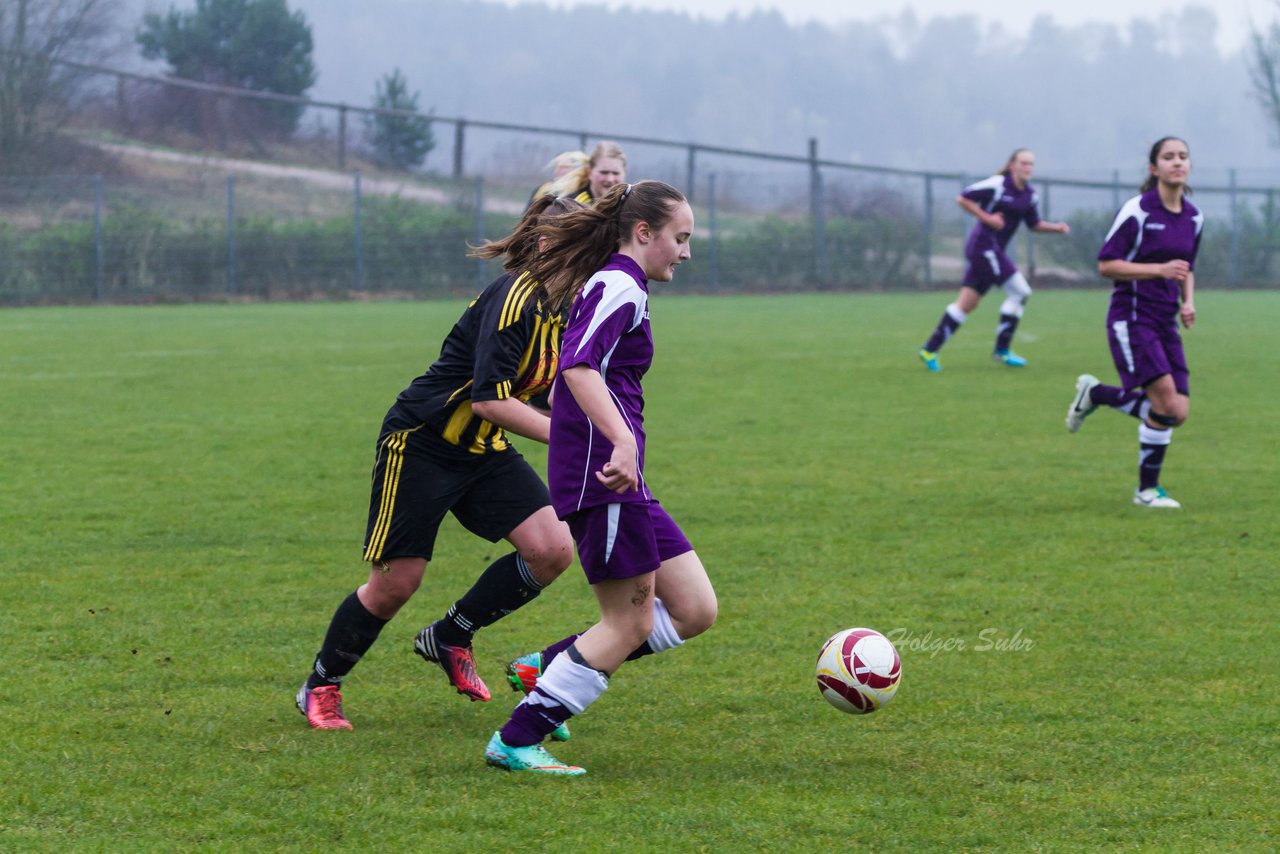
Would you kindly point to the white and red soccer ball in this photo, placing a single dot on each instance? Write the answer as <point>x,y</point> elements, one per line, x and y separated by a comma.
<point>858,670</point>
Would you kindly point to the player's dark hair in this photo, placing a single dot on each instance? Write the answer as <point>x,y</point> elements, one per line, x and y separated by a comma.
<point>1008,164</point>
<point>580,242</point>
<point>521,245</point>
<point>1153,158</point>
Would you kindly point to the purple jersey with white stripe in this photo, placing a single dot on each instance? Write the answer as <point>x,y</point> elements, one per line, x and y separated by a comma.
<point>1146,232</point>
<point>999,194</point>
<point>608,331</point>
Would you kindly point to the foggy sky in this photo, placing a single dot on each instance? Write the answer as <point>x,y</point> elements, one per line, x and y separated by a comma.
<point>1234,16</point>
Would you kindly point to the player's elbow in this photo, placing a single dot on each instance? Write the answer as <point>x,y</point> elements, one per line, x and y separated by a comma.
<point>487,409</point>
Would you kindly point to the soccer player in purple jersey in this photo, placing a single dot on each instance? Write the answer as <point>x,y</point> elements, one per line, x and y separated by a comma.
<point>652,589</point>
<point>1150,254</point>
<point>999,203</point>
<point>444,449</point>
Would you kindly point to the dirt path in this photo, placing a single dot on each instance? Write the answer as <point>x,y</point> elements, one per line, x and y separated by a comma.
<point>324,178</point>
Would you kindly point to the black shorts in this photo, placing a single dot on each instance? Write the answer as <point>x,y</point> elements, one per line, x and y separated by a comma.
<point>417,479</point>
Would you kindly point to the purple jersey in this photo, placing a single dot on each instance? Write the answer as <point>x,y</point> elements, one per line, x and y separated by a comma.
<point>1146,232</point>
<point>608,331</point>
<point>999,194</point>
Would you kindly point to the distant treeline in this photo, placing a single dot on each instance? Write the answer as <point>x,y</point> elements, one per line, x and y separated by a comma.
<point>948,93</point>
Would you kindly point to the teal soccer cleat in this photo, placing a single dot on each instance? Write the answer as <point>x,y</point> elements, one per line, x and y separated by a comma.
<point>532,758</point>
<point>1009,357</point>
<point>930,360</point>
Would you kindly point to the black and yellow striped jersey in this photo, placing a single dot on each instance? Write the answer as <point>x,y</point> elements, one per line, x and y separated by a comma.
<point>506,344</point>
<point>584,196</point>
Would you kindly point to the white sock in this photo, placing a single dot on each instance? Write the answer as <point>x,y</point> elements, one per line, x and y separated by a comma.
<point>664,635</point>
<point>572,685</point>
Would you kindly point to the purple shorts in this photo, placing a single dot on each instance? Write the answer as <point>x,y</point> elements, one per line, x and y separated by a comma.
<point>1144,352</point>
<point>988,268</point>
<point>626,539</point>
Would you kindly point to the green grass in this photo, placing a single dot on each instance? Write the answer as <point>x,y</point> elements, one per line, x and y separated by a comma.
<point>184,498</point>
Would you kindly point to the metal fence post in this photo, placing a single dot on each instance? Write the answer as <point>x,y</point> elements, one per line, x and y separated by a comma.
<point>359,231</point>
<point>479,230</point>
<point>813,176</point>
<point>231,235</point>
<point>1269,216</point>
<point>818,212</point>
<point>928,231</point>
<point>820,231</point>
<point>1031,235</point>
<point>712,254</point>
<point>459,138</point>
<point>1234,277</point>
<point>97,238</point>
<point>342,136</point>
<point>689,182</point>
<point>1115,190</point>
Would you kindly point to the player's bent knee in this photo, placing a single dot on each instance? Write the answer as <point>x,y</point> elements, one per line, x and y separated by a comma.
<point>701,623</point>
<point>386,595</point>
<point>694,618</point>
<point>550,559</point>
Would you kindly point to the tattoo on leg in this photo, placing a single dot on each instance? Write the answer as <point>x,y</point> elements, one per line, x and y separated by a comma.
<point>641,595</point>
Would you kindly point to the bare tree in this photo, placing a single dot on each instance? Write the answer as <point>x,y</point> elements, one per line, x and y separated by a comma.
<point>1264,70</point>
<point>35,88</point>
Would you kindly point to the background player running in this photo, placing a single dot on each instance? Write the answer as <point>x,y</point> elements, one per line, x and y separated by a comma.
<point>604,169</point>
<point>1150,253</point>
<point>443,449</point>
<point>999,203</point>
<point>651,587</point>
<point>562,164</point>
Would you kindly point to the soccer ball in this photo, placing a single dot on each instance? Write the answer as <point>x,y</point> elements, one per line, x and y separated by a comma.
<point>858,671</point>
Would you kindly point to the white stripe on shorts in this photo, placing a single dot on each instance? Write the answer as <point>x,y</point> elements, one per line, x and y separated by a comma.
<point>990,255</point>
<point>614,510</point>
<point>1121,329</point>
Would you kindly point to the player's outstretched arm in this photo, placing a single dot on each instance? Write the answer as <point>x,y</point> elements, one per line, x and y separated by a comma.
<point>515,416</point>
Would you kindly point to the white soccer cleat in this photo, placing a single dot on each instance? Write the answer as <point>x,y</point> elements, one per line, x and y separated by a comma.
<point>1081,406</point>
<point>1154,496</point>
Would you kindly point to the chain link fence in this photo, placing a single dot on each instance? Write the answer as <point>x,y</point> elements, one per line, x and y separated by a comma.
<point>175,226</point>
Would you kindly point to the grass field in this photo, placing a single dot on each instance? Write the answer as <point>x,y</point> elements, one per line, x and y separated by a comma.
<point>184,498</point>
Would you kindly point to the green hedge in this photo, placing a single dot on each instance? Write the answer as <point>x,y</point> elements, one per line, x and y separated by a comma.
<point>1257,256</point>
<point>406,248</point>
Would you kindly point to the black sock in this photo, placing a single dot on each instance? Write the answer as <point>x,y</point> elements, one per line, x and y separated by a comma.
<point>505,586</point>
<point>351,632</point>
<point>640,652</point>
<point>947,325</point>
<point>1004,331</point>
<point>1152,445</point>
